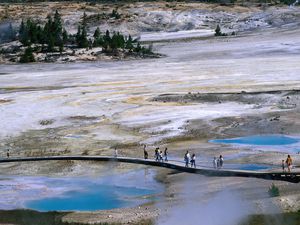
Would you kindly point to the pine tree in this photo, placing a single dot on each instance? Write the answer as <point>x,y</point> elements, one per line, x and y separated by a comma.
<point>50,43</point>
<point>81,36</point>
<point>23,34</point>
<point>114,42</point>
<point>27,56</point>
<point>218,31</point>
<point>57,29</point>
<point>40,36</point>
<point>138,47</point>
<point>84,20</point>
<point>128,44</point>
<point>78,36</point>
<point>107,38</point>
<point>83,39</point>
<point>97,33</point>
<point>65,36</point>
<point>98,40</point>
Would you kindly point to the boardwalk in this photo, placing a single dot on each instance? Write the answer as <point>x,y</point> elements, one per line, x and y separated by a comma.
<point>289,177</point>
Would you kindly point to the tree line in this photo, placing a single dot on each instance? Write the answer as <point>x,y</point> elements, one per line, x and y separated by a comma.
<point>53,37</point>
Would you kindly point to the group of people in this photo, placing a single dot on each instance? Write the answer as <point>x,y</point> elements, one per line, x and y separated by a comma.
<point>218,162</point>
<point>159,155</point>
<point>188,159</point>
<point>287,163</point>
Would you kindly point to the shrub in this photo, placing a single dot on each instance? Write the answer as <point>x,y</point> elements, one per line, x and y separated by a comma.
<point>273,190</point>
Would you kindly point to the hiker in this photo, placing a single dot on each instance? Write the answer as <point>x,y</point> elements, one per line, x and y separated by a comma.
<point>116,152</point>
<point>218,163</point>
<point>283,166</point>
<point>166,154</point>
<point>7,154</point>
<point>193,161</point>
<point>157,154</point>
<point>145,153</point>
<point>221,161</point>
<point>289,162</point>
<point>161,159</point>
<point>215,162</point>
<point>187,158</point>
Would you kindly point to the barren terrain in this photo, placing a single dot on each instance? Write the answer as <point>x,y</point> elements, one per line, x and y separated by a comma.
<point>212,87</point>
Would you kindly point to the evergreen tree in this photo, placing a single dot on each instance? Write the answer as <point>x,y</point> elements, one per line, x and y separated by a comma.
<point>114,42</point>
<point>40,35</point>
<point>106,40</point>
<point>50,43</point>
<point>81,36</point>
<point>84,20</point>
<point>83,39</point>
<point>57,29</point>
<point>65,36</point>
<point>128,44</point>
<point>32,31</point>
<point>78,35</point>
<point>98,40</point>
<point>27,56</point>
<point>218,31</point>
<point>97,33</point>
<point>138,47</point>
<point>23,34</point>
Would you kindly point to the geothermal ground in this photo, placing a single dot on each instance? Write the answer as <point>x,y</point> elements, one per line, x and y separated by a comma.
<point>204,88</point>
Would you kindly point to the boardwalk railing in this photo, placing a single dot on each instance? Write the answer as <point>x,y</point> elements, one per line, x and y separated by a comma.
<point>289,177</point>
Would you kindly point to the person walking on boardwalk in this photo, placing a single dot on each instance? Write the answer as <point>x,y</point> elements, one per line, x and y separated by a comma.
<point>161,156</point>
<point>221,161</point>
<point>116,152</point>
<point>156,154</point>
<point>145,153</point>
<point>166,154</point>
<point>283,166</point>
<point>215,163</point>
<point>289,162</point>
<point>187,158</point>
<point>193,161</point>
<point>7,153</point>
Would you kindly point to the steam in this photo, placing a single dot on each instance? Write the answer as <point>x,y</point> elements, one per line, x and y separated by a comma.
<point>224,208</point>
<point>7,32</point>
<point>294,3</point>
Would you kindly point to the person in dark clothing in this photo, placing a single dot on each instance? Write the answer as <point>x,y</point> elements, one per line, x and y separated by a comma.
<point>157,154</point>
<point>193,161</point>
<point>166,154</point>
<point>145,153</point>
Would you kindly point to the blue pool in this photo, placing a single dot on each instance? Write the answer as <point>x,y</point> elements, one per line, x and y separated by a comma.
<point>77,193</point>
<point>270,140</point>
<point>251,167</point>
<point>93,197</point>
